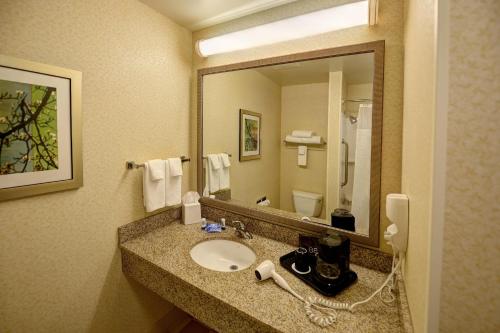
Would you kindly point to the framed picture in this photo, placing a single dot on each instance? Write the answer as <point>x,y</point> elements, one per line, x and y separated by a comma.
<point>40,128</point>
<point>250,143</point>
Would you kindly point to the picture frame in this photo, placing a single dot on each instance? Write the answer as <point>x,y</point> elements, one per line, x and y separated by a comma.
<point>250,143</point>
<point>40,128</point>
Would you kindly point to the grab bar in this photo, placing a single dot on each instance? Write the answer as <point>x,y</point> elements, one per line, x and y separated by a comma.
<point>346,163</point>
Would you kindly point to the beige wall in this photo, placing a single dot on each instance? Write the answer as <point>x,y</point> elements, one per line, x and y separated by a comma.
<point>470,294</point>
<point>303,107</point>
<point>59,262</point>
<point>390,28</point>
<point>418,133</point>
<point>224,95</point>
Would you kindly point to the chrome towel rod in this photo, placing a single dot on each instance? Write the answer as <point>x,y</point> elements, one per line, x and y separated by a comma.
<point>133,165</point>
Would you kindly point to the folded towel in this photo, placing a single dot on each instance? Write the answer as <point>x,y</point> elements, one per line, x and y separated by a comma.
<point>302,155</point>
<point>172,186</point>
<point>175,165</point>
<point>156,169</point>
<point>302,134</point>
<point>224,173</point>
<point>214,161</point>
<point>313,140</point>
<point>225,160</point>
<point>153,191</point>
<point>212,179</point>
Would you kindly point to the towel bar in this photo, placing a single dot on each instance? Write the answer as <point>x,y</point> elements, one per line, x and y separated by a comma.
<point>230,155</point>
<point>133,165</point>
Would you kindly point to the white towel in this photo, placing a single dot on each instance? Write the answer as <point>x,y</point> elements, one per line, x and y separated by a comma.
<point>213,173</point>
<point>224,172</point>
<point>175,165</point>
<point>214,161</point>
<point>153,191</point>
<point>362,167</point>
<point>225,160</point>
<point>302,155</point>
<point>302,134</point>
<point>172,184</point>
<point>156,169</point>
<point>313,140</point>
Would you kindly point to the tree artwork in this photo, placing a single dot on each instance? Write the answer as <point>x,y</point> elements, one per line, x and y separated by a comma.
<point>28,128</point>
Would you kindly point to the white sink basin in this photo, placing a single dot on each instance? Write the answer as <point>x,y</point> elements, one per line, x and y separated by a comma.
<point>222,255</point>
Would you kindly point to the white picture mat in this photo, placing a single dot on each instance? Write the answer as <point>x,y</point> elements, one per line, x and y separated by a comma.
<point>250,152</point>
<point>63,90</point>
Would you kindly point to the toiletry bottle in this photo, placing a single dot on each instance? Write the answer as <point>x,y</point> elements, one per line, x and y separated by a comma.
<point>203,223</point>
<point>223,223</point>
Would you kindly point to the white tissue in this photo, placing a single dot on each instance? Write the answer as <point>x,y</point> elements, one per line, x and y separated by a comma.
<point>266,203</point>
<point>190,197</point>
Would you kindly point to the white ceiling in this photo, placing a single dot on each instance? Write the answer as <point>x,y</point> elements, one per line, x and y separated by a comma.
<point>356,68</point>
<point>199,14</point>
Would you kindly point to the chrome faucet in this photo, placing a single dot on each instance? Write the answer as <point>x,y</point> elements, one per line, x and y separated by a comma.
<point>241,230</point>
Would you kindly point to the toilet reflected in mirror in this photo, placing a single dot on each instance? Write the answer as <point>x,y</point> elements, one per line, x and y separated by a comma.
<point>307,204</point>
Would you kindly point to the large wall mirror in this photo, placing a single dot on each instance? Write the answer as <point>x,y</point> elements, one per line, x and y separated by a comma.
<point>296,137</point>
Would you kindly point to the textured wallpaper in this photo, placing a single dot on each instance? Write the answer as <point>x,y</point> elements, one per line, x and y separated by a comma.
<point>59,262</point>
<point>390,29</point>
<point>470,289</point>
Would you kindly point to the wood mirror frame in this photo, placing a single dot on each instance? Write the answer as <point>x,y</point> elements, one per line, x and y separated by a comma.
<point>289,219</point>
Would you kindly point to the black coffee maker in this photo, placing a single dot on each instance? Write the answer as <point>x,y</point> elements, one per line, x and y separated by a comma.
<point>332,263</point>
<point>322,262</point>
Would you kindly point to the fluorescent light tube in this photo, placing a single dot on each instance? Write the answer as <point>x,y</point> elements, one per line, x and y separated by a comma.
<point>335,18</point>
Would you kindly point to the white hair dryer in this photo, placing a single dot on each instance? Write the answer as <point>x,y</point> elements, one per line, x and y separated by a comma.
<point>267,270</point>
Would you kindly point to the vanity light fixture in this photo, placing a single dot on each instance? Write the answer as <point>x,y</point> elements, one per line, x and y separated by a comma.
<point>321,21</point>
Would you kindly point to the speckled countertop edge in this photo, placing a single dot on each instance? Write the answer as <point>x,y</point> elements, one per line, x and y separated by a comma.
<point>171,243</point>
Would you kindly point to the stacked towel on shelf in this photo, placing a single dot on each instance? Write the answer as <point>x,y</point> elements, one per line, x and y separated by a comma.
<point>302,134</point>
<point>315,139</point>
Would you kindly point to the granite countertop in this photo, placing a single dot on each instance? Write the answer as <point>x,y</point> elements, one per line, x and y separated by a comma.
<point>236,301</point>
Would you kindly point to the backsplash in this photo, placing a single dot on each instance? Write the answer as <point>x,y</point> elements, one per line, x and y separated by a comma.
<point>143,226</point>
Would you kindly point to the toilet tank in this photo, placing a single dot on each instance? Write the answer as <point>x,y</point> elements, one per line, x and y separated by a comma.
<point>307,203</point>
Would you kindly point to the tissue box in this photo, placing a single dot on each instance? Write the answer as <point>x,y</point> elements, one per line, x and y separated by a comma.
<point>191,213</point>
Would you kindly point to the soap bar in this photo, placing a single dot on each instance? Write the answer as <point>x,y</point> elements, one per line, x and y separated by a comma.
<point>213,227</point>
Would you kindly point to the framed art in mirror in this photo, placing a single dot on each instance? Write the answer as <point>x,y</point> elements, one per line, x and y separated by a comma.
<point>40,128</point>
<point>250,123</point>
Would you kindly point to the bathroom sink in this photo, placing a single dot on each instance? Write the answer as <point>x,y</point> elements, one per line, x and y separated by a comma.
<point>222,255</point>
